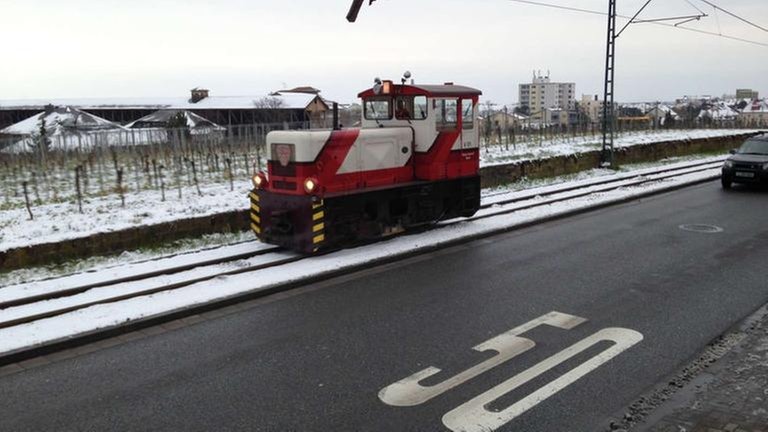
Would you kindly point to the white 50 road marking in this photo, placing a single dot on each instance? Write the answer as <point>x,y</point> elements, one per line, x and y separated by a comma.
<point>408,392</point>
<point>475,416</point>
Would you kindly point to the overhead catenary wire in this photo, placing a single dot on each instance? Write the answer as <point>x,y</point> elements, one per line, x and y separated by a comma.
<point>592,12</point>
<point>695,7</point>
<point>735,16</point>
<point>631,20</point>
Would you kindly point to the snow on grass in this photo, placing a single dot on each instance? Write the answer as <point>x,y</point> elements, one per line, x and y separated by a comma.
<point>84,321</point>
<point>109,293</point>
<point>182,252</point>
<point>565,145</point>
<point>178,248</point>
<point>191,245</point>
<point>113,274</point>
<point>61,221</point>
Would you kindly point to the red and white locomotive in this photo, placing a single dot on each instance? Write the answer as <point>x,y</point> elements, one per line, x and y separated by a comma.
<point>415,160</point>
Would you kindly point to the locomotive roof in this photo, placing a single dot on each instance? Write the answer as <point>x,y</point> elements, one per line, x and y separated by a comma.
<point>430,90</point>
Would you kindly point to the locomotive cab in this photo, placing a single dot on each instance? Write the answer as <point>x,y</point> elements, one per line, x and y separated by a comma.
<point>415,160</point>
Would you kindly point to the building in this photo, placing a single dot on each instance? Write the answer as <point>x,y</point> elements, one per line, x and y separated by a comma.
<point>59,120</point>
<point>695,100</point>
<point>592,107</point>
<point>747,94</point>
<point>287,106</point>
<point>60,128</point>
<point>755,114</point>
<point>542,94</point>
<point>718,112</point>
<point>661,113</point>
<point>507,119</point>
<point>165,119</point>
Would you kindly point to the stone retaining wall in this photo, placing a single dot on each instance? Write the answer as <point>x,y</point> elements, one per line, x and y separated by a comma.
<point>118,241</point>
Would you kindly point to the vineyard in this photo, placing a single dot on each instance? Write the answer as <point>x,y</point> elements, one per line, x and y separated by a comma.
<point>77,184</point>
<point>172,162</point>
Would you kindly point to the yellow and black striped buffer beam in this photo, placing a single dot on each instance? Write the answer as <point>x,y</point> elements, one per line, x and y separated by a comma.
<point>255,213</point>
<point>318,224</point>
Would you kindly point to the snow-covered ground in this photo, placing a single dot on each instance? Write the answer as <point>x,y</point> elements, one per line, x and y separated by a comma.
<point>59,221</point>
<point>565,145</point>
<point>132,258</point>
<point>92,318</point>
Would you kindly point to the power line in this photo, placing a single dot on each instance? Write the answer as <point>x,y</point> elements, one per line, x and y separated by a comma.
<point>592,12</point>
<point>631,20</point>
<point>735,16</point>
<point>694,6</point>
<point>535,3</point>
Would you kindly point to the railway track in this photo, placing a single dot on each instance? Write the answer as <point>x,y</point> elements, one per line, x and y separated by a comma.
<point>569,193</point>
<point>26,303</point>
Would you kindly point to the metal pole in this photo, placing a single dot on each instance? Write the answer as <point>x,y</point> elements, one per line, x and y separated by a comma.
<point>606,159</point>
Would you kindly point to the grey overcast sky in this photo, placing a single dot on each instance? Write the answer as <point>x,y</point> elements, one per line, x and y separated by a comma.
<point>104,48</point>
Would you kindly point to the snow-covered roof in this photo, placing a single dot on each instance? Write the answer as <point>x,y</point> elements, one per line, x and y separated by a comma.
<point>288,101</point>
<point>719,111</point>
<point>758,106</point>
<point>59,120</point>
<point>162,117</point>
<point>663,109</point>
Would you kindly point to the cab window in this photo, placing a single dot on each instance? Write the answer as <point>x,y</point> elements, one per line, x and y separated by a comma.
<point>378,109</point>
<point>411,108</point>
<point>467,114</point>
<point>446,113</point>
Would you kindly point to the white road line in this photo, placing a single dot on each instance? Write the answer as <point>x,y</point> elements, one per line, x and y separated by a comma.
<point>408,392</point>
<point>474,416</point>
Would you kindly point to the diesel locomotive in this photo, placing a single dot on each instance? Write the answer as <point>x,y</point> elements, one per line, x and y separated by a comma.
<point>413,161</point>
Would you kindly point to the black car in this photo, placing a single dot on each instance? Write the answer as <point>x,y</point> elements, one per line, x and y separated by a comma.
<point>748,163</point>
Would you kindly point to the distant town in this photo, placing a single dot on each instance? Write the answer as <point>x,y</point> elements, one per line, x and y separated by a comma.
<point>543,103</point>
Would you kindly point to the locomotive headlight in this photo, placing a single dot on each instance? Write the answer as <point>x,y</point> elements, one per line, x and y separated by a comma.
<point>310,185</point>
<point>259,181</point>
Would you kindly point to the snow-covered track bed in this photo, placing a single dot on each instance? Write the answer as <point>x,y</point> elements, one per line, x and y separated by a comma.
<point>507,197</point>
<point>68,300</point>
<point>61,321</point>
<point>501,204</point>
<point>213,258</point>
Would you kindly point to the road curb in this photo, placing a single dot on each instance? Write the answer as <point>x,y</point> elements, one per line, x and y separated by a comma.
<point>650,407</point>
<point>165,317</point>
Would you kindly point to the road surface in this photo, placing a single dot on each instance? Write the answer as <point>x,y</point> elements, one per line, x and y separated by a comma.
<point>570,321</point>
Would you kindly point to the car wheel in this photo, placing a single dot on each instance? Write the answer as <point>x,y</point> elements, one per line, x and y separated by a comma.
<point>726,182</point>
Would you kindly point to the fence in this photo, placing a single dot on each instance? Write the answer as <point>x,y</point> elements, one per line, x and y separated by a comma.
<point>509,137</point>
<point>70,167</point>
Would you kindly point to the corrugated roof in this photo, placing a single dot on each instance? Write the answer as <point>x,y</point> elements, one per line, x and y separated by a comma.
<point>60,120</point>
<point>162,117</point>
<point>288,101</point>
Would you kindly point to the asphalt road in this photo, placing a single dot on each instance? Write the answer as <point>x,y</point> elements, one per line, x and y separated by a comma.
<point>316,359</point>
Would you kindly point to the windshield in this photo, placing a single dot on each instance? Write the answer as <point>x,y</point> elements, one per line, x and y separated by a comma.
<point>754,146</point>
<point>378,109</point>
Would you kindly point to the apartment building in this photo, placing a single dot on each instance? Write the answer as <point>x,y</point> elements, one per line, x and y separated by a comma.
<point>542,94</point>
<point>747,94</point>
